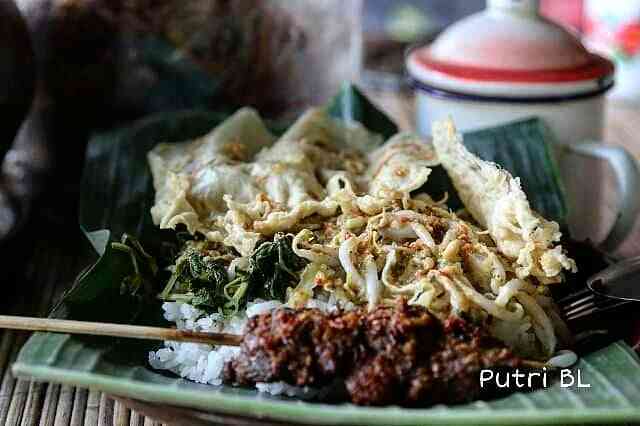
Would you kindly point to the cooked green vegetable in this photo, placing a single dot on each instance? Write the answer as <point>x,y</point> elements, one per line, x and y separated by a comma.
<point>273,268</point>
<point>145,268</point>
<point>201,279</point>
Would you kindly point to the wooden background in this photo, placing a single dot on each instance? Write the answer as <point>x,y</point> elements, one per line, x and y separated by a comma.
<point>43,261</point>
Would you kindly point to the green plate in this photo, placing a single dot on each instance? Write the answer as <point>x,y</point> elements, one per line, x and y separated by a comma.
<point>613,373</point>
<point>116,197</point>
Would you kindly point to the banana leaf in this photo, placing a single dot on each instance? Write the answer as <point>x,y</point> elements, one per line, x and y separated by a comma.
<point>352,105</point>
<point>524,149</point>
<point>116,197</point>
<point>612,373</point>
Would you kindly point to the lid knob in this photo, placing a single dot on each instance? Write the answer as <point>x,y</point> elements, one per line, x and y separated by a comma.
<point>526,7</point>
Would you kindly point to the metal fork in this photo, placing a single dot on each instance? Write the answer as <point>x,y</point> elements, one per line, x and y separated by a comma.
<point>584,303</point>
<point>610,289</point>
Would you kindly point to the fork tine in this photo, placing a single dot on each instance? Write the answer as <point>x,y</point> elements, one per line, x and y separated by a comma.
<point>577,302</point>
<point>581,305</point>
<point>579,313</point>
<point>569,298</point>
<point>597,308</point>
<point>586,299</point>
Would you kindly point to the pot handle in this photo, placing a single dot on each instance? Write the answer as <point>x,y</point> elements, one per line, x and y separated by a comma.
<point>627,174</point>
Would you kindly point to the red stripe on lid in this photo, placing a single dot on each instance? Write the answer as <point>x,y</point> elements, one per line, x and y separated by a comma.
<point>595,68</point>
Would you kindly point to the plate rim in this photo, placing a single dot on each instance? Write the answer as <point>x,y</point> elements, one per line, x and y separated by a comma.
<point>316,413</point>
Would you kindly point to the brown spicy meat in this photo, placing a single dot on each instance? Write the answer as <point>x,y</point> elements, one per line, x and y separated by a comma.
<point>303,347</point>
<point>392,355</point>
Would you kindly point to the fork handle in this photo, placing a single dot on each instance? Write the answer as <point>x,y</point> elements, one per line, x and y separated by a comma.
<point>620,280</point>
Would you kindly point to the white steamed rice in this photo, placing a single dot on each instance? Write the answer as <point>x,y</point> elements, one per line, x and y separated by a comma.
<point>204,363</point>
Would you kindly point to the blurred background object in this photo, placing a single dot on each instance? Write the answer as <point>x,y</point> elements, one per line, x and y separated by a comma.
<point>126,58</point>
<point>132,57</point>
<point>17,72</point>
<point>613,28</point>
<point>17,81</point>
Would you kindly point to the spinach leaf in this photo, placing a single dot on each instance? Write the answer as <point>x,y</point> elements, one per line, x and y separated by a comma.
<point>272,268</point>
<point>197,278</point>
<point>201,280</point>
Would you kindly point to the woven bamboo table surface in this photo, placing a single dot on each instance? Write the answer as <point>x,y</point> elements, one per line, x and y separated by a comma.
<point>42,262</point>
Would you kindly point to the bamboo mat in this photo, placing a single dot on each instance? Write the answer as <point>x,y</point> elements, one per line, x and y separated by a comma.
<point>37,268</point>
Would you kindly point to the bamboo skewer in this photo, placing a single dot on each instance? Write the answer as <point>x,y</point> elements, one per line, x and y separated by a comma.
<point>142,332</point>
<point>117,330</point>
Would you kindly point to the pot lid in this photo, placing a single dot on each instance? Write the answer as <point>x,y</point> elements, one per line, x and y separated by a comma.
<point>509,48</point>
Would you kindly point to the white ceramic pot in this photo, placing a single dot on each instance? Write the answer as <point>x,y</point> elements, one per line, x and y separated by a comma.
<point>508,63</point>
<point>566,119</point>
